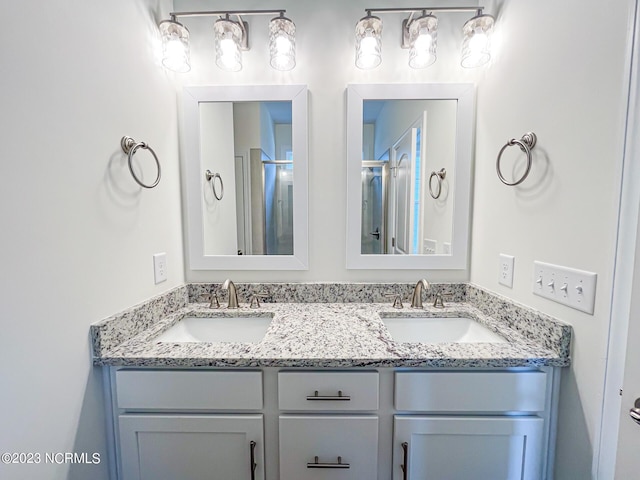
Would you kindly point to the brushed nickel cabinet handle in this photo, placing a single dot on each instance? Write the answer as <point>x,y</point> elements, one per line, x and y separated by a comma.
<point>634,413</point>
<point>340,396</point>
<point>405,458</point>
<point>253,464</point>
<point>317,464</point>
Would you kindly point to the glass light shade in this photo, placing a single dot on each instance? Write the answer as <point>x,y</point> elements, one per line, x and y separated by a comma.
<point>175,46</point>
<point>423,38</point>
<point>228,36</point>
<point>368,42</point>
<point>476,45</point>
<point>282,43</point>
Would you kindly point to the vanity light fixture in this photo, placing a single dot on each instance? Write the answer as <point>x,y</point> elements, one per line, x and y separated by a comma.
<point>476,46</point>
<point>282,43</point>
<point>423,38</point>
<point>231,39</point>
<point>228,37</point>
<point>368,42</point>
<point>175,45</point>
<point>420,36</point>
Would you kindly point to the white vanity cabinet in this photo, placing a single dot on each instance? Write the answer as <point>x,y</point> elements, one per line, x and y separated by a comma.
<point>333,436</point>
<point>317,424</point>
<point>170,425</point>
<point>468,425</point>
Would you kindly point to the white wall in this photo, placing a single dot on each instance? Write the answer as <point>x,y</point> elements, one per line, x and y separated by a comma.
<point>569,87</point>
<point>77,233</point>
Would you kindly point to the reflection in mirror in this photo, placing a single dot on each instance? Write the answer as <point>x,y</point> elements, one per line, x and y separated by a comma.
<point>409,151</point>
<point>404,144</point>
<point>255,217</point>
<point>246,177</point>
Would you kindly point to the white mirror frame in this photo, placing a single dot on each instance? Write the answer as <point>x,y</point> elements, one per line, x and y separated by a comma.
<point>193,96</point>
<point>465,96</point>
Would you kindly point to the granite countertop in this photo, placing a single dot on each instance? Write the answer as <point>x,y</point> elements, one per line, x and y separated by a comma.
<point>339,335</point>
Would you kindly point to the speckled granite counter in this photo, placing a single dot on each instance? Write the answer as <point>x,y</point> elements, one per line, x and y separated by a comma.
<point>331,334</point>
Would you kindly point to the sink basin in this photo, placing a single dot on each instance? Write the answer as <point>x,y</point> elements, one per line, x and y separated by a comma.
<point>439,330</point>
<point>217,329</point>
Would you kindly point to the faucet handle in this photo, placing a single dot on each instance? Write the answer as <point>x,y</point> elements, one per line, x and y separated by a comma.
<point>212,298</point>
<point>397,299</point>
<point>214,301</point>
<point>255,299</point>
<point>437,301</point>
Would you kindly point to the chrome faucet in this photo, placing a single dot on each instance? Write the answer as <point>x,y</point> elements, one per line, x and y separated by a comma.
<point>233,294</point>
<point>416,298</point>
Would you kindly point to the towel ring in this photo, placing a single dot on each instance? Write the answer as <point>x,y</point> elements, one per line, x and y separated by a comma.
<point>130,147</point>
<point>439,176</point>
<point>526,144</point>
<point>211,177</point>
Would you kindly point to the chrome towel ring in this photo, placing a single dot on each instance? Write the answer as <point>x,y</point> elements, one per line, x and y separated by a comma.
<point>211,178</point>
<point>439,176</point>
<point>130,147</point>
<point>526,144</point>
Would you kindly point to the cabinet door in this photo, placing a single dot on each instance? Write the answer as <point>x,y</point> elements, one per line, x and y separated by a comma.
<point>191,447</point>
<point>331,447</point>
<point>464,448</point>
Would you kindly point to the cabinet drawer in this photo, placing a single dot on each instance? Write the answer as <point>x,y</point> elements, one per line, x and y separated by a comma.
<point>188,390</point>
<point>332,447</point>
<point>345,391</point>
<point>481,392</point>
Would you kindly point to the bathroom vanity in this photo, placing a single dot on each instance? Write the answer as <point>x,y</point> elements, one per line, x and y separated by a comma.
<point>328,392</point>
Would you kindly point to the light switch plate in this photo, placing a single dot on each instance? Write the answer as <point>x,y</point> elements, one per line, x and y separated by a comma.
<point>569,286</point>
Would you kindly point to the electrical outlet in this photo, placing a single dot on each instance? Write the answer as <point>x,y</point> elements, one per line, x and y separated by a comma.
<point>429,246</point>
<point>160,267</point>
<point>505,274</point>
<point>571,287</point>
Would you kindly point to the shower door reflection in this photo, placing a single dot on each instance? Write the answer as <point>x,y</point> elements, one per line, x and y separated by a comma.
<point>374,204</point>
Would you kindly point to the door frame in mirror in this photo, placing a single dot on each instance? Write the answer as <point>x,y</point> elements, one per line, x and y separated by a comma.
<point>192,97</point>
<point>465,94</point>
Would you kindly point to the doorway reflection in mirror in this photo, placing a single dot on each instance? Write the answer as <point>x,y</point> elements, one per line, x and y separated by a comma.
<point>403,142</point>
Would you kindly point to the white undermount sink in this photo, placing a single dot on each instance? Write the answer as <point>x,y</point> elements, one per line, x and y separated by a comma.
<point>217,329</point>
<point>439,330</point>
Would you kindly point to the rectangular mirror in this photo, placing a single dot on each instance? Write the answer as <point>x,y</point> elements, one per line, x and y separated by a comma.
<point>246,177</point>
<point>409,152</point>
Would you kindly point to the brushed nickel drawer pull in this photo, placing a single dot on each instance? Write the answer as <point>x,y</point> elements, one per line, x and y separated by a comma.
<point>405,458</point>
<point>317,464</point>
<point>316,396</point>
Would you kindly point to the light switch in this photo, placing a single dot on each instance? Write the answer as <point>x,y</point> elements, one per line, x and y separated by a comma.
<point>569,286</point>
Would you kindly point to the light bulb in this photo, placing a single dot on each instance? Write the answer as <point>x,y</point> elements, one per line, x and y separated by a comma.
<point>478,42</point>
<point>423,42</point>
<point>369,56</point>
